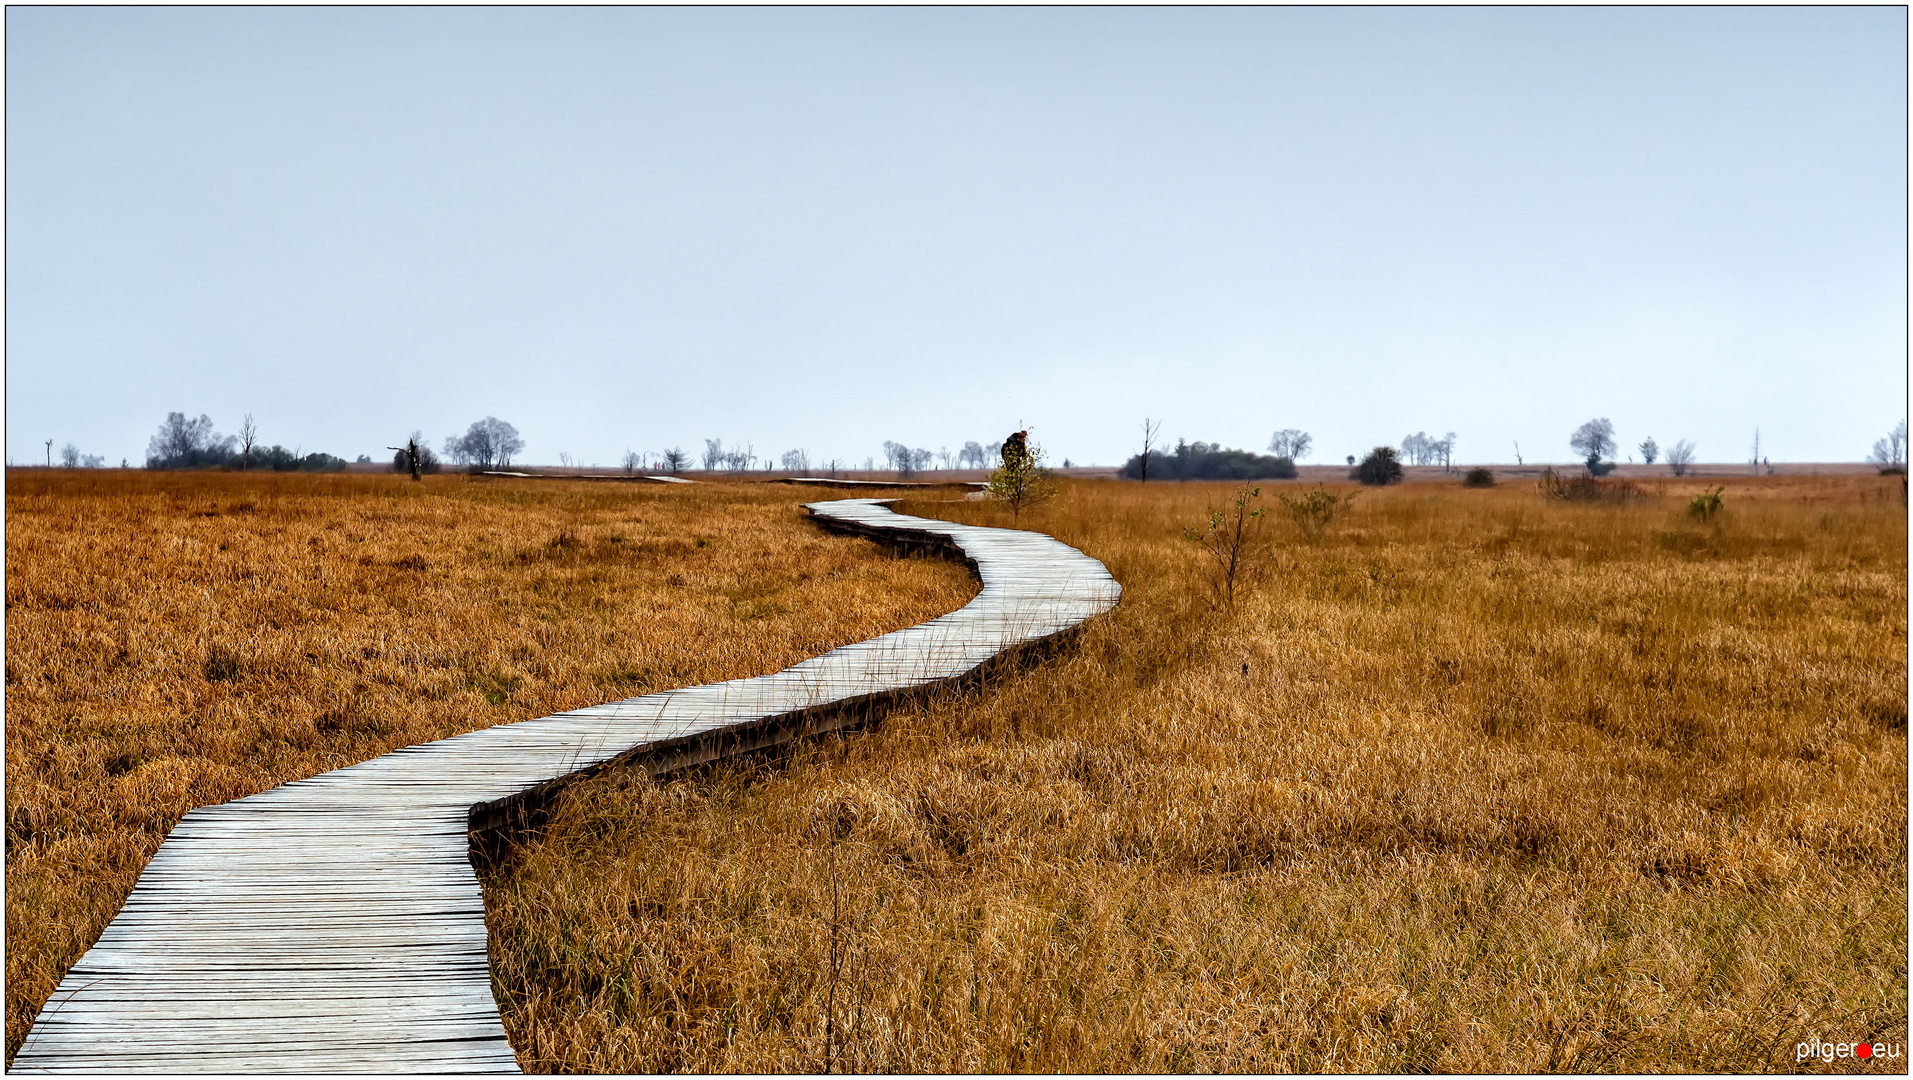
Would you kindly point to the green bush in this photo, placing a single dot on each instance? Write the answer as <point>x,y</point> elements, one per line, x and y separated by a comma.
<point>1381,466</point>
<point>1312,511</point>
<point>1705,505</point>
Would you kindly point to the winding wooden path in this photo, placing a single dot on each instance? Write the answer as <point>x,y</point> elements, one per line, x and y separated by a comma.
<point>335,924</point>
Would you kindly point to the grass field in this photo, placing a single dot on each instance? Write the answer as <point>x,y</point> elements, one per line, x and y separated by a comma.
<point>1474,780</point>
<point>177,640</point>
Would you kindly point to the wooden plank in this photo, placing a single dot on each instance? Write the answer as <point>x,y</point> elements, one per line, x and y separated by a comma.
<point>335,924</point>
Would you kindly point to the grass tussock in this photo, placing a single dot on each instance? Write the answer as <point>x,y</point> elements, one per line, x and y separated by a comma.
<point>1471,780</point>
<point>176,640</point>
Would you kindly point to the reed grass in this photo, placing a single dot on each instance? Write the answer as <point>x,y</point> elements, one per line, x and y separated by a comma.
<point>1474,780</point>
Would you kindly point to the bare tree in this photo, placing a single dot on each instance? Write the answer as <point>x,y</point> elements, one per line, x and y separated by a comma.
<point>675,460</point>
<point>487,444</point>
<point>972,456</point>
<point>248,438</point>
<point>1517,453</point>
<point>49,453</point>
<point>1150,428</point>
<point>1650,450</point>
<point>1291,443</point>
<point>945,458</point>
<point>797,461</point>
<point>831,468</point>
<point>713,454</point>
<point>182,444</point>
<point>900,458</point>
<point>1755,461</point>
<point>633,461</point>
<point>1890,452</point>
<point>1680,456</point>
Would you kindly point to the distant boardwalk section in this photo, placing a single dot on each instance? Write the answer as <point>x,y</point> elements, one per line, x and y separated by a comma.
<point>335,924</point>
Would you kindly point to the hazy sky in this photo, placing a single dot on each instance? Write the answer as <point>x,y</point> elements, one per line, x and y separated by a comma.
<point>826,228</point>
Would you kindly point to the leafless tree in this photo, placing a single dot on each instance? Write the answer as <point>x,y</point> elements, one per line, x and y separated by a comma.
<point>489,443</point>
<point>1650,450</point>
<point>675,460</point>
<point>831,468</point>
<point>1291,443</point>
<point>182,444</point>
<point>69,456</point>
<point>1150,428</point>
<point>1517,453</point>
<point>49,453</point>
<point>1890,452</point>
<point>1755,461</point>
<point>1421,449</point>
<point>945,458</point>
<point>897,457</point>
<point>1680,456</point>
<point>632,462</point>
<point>248,438</point>
<point>564,459</point>
<point>797,461</point>
<point>713,454</point>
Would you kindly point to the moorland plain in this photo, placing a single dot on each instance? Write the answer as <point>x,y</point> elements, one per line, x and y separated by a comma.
<point>1473,780</point>
<point>1476,780</point>
<point>175,640</point>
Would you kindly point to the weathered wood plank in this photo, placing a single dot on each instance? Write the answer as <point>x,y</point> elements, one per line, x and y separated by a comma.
<point>335,924</point>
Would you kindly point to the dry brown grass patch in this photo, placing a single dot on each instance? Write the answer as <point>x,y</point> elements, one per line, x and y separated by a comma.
<point>1477,781</point>
<point>180,640</point>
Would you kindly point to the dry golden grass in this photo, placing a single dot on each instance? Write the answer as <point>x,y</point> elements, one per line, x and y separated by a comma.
<point>178,640</point>
<point>1475,781</point>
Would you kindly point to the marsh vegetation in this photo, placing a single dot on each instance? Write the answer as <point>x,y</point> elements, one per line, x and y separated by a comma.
<point>1464,780</point>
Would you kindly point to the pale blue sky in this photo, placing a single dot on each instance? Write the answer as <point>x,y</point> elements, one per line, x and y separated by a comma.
<point>827,228</point>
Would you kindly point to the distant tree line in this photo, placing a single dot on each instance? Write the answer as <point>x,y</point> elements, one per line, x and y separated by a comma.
<point>181,443</point>
<point>1208,461</point>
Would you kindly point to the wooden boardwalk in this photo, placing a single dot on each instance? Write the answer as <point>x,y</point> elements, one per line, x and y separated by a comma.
<point>335,924</point>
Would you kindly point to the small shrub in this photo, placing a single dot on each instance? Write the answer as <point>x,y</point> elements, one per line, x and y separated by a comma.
<point>1021,481</point>
<point>1587,488</point>
<point>1381,466</point>
<point>1233,543</point>
<point>1705,505</point>
<point>1312,511</point>
<point>1479,477</point>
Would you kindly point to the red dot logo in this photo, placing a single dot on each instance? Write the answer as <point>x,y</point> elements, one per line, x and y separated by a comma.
<point>1864,1050</point>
